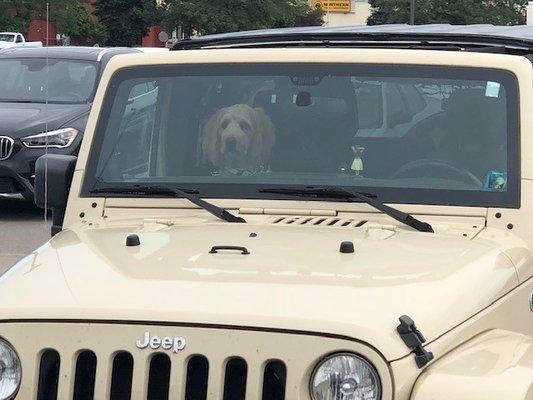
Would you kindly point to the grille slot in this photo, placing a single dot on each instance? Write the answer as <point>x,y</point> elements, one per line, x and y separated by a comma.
<point>6,147</point>
<point>85,376</point>
<point>197,375</point>
<point>333,222</point>
<point>274,381</point>
<point>122,376</point>
<point>48,375</point>
<point>235,379</point>
<point>159,377</point>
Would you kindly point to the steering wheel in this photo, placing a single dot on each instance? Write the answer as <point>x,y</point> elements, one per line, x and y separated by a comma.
<point>448,170</point>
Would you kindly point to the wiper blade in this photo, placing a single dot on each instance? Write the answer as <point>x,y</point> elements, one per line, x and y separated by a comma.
<point>347,194</point>
<point>22,101</point>
<point>176,192</point>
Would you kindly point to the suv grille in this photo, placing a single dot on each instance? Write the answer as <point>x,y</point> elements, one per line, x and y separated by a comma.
<point>6,147</point>
<point>99,360</point>
<point>159,377</point>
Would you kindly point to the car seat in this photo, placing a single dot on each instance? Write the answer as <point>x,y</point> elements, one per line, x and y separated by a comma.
<point>315,137</point>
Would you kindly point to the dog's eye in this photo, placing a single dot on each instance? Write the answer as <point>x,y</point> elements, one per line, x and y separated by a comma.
<point>245,126</point>
<point>224,124</point>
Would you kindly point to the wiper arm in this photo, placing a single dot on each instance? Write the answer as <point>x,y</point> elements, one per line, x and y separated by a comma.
<point>165,190</point>
<point>370,199</point>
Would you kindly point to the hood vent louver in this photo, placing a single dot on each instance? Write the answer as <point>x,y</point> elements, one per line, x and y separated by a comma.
<point>333,222</point>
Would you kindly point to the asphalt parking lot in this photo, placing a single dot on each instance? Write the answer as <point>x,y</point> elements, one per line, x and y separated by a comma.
<point>22,230</point>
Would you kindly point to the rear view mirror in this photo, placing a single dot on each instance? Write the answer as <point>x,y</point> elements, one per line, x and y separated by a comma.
<point>53,177</point>
<point>304,99</point>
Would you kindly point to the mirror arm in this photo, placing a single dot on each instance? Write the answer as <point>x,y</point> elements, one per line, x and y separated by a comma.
<point>58,217</point>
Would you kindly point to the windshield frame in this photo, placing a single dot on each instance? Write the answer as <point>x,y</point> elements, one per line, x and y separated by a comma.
<point>89,99</point>
<point>249,191</point>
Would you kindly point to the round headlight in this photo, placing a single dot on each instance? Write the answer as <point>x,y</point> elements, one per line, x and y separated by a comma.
<point>10,371</point>
<point>345,376</point>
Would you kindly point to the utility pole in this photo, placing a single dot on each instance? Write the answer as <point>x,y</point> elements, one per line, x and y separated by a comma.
<point>413,5</point>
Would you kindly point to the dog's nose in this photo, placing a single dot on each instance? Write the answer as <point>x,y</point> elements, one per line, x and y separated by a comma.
<point>231,144</point>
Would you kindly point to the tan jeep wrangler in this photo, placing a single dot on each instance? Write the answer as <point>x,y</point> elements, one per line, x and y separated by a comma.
<point>226,234</point>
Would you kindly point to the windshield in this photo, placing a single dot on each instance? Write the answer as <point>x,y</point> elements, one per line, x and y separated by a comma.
<point>26,80</point>
<point>6,37</point>
<point>404,133</point>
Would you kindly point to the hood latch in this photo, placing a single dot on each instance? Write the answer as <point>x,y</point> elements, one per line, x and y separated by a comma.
<point>414,339</point>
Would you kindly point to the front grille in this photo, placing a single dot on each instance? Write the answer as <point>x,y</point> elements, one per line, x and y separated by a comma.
<point>159,377</point>
<point>97,361</point>
<point>6,147</point>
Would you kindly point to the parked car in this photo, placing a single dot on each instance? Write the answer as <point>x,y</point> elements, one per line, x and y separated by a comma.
<point>45,99</point>
<point>15,39</point>
<point>231,228</point>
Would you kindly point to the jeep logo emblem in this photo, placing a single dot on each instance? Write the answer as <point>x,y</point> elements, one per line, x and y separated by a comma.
<point>176,344</point>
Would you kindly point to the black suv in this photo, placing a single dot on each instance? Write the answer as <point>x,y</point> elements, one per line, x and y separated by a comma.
<point>45,100</point>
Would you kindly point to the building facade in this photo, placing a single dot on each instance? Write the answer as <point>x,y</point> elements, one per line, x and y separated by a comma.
<point>343,12</point>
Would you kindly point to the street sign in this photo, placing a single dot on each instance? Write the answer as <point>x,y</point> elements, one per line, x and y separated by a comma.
<point>338,6</point>
<point>163,37</point>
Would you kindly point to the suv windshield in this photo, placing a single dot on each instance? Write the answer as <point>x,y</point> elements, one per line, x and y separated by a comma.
<point>26,80</point>
<point>406,134</point>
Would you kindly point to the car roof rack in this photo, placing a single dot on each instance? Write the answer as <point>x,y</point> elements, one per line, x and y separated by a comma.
<point>477,38</point>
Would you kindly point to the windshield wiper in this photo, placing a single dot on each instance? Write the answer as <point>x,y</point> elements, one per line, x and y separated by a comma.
<point>22,101</point>
<point>165,191</point>
<point>347,194</point>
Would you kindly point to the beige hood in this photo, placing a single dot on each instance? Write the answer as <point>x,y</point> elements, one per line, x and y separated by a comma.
<point>294,278</point>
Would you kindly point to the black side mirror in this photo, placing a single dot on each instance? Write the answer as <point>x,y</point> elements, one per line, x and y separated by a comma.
<point>53,177</point>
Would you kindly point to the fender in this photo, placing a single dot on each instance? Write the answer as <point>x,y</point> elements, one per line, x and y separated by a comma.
<point>492,366</point>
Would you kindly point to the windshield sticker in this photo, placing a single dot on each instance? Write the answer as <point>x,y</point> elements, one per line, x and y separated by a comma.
<point>493,89</point>
<point>496,181</point>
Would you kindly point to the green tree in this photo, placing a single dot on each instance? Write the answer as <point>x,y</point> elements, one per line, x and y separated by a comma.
<point>457,12</point>
<point>71,17</point>
<point>14,16</point>
<point>217,16</point>
<point>75,21</point>
<point>310,18</point>
<point>126,21</point>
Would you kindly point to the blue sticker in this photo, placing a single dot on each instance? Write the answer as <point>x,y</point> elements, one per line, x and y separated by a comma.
<point>493,89</point>
<point>496,181</point>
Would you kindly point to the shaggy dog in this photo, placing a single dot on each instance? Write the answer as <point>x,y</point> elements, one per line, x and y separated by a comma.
<point>238,139</point>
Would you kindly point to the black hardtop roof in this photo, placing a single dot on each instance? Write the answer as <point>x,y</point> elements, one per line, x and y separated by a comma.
<point>66,52</point>
<point>518,38</point>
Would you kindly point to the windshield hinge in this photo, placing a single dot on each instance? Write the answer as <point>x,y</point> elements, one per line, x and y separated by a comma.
<point>414,339</point>
<point>288,211</point>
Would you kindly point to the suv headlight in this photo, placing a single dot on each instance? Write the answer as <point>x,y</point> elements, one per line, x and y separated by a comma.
<point>345,376</point>
<point>59,139</point>
<point>10,371</point>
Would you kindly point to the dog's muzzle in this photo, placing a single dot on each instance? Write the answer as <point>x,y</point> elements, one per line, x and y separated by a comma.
<point>231,145</point>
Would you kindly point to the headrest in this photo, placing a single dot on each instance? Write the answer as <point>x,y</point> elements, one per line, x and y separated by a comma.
<point>473,103</point>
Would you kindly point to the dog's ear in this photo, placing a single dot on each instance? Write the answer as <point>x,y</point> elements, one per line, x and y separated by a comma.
<point>210,139</point>
<point>266,137</point>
